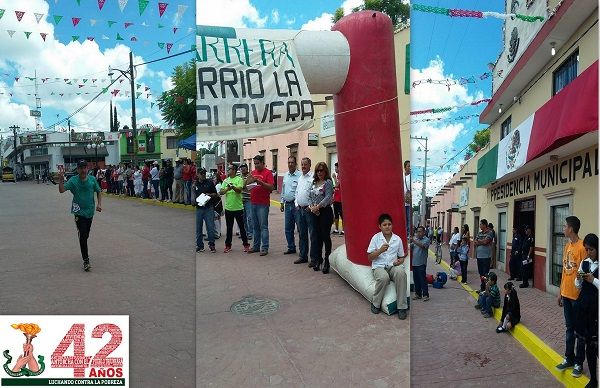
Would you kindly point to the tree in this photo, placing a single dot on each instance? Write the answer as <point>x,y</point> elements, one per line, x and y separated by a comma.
<point>339,13</point>
<point>173,104</point>
<point>395,9</point>
<point>480,140</point>
<point>116,122</point>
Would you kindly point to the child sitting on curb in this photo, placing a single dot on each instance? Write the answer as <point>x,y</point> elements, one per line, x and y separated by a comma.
<point>490,297</point>
<point>511,311</point>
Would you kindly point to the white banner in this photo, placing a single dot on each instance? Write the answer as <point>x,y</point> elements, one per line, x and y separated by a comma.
<point>66,350</point>
<point>512,150</point>
<point>249,88</point>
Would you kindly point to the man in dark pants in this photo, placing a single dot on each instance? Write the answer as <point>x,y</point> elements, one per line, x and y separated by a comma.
<point>306,232</point>
<point>515,255</point>
<point>82,186</point>
<point>527,257</point>
<point>483,251</point>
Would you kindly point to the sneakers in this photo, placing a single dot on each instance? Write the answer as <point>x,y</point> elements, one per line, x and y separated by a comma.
<point>425,298</point>
<point>227,250</point>
<point>335,232</point>
<point>198,249</point>
<point>342,233</point>
<point>264,253</point>
<point>500,329</point>
<point>246,248</point>
<point>416,297</point>
<point>577,370</point>
<point>402,314</point>
<point>486,315</point>
<point>86,266</point>
<point>375,310</point>
<point>564,365</point>
<point>213,250</point>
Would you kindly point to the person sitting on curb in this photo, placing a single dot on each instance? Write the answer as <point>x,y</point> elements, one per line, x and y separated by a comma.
<point>511,311</point>
<point>386,253</point>
<point>490,297</point>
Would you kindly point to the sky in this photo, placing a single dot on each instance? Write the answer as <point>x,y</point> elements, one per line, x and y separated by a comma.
<point>449,48</point>
<point>67,53</point>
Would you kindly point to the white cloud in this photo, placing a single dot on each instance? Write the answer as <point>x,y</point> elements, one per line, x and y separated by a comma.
<point>229,13</point>
<point>348,5</point>
<point>167,84</point>
<point>275,16</point>
<point>320,23</point>
<point>290,21</point>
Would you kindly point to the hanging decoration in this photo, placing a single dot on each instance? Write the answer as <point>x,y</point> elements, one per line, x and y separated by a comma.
<point>449,108</point>
<point>122,4</point>
<point>11,32</point>
<point>75,21</point>
<point>27,33</point>
<point>169,46</point>
<point>459,118</point>
<point>75,38</point>
<point>142,4</point>
<point>101,4</point>
<point>57,19</point>
<point>180,11</point>
<point>472,79</point>
<point>93,22</point>
<point>127,24</point>
<point>162,7</point>
<point>111,23</point>
<point>38,17</point>
<point>1,13</point>
<point>474,14</point>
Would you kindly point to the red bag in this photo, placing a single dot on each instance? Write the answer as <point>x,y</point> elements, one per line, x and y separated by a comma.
<point>429,279</point>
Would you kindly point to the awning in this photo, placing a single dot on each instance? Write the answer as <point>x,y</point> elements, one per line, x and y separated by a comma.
<point>39,159</point>
<point>571,113</point>
<point>82,152</point>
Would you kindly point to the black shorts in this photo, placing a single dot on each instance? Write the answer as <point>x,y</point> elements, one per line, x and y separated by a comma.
<point>337,210</point>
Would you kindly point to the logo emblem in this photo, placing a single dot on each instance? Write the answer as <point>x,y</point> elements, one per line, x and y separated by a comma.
<point>513,150</point>
<point>26,364</point>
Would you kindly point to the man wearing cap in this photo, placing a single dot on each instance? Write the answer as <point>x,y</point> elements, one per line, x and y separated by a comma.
<point>82,186</point>
<point>205,213</point>
<point>260,183</point>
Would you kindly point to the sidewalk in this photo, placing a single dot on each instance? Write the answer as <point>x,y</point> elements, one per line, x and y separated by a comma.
<point>541,331</point>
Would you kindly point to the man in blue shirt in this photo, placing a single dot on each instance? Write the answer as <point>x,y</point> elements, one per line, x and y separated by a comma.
<point>420,245</point>
<point>288,197</point>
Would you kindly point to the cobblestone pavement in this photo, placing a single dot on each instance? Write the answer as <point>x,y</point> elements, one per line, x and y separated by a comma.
<point>143,266</point>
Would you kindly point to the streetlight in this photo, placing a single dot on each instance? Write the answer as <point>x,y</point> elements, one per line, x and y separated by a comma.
<point>95,143</point>
<point>424,190</point>
<point>129,74</point>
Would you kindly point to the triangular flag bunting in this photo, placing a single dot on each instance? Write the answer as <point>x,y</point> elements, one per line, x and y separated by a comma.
<point>85,80</point>
<point>143,4</point>
<point>66,80</point>
<point>115,92</point>
<point>175,30</point>
<point>160,26</point>
<point>190,30</point>
<point>44,80</point>
<point>10,32</point>
<point>1,13</point>
<point>181,45</point>
<point>105,37</point>
<point>127,24</point>
<point>52,94</point>
<point>121,81</point>
<point>151,105</point>
<point>169,46</point>
<point>69,83</point>
<point>78,94</point>
<point>90,38</point>
<point>43,35</point>
<point>146,89</point>
<point>110,23</point>
<point>27,33</point>
<point>38,17</point>
<point>190,100</point>
<point>78,2</point>
<point>137,86</point>
<point>19,15</point>
<point>94,80</point>
<point>162,7</point>
<point>75,21</point>
<point>122,4</point>
<point>161,45</point>
<point>57,19</point>
<point>30,78</point>
<point>137,95</point>
<point>104,90</point>
<point>181,10</point>
<point>93,22</point>
<point>74,38</point>
<point>101,4</point>
<point>119,37</point>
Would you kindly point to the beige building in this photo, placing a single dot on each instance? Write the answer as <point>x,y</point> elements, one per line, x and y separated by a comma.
<point>319,142</point>
<point>169,146</point>
<point>542,161</point>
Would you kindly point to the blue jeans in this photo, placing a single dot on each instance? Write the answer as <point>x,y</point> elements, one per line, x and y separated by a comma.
<point>407,214</point>
<point>483,268</point>
<point>485,301</point>
<point>419,273</point>
<point>305,226</point>
<point>155,183</point>
<point>291,219</point>
<point>248,219</point>
<point>205,216</point>
<point>573,353</point>
<point>188,192</point>
<point>260,221</point>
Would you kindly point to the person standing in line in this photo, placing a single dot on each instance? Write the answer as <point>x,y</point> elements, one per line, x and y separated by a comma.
<point>420,245</point>
<point>454,244</point>
<point>129,176</point>
<point>205,213</point>
<point>494,241</point>
<point>337,202</point>
<point>463,257</point>
<point>162,182</point>
<point>261,183</point>
<point>178,176</point>
<point>218,205</point>
<point>321,196</point>
<point>515,254</point>
<point>573,254</point>
<point>146,180</point>
<point>121,179</point>
<point>108,177</point>
<point>82,186</point>
<point>288,199</point>
<point>305,220</point>
<point>483,251</point>
<point>234,208</point>
<point>526,261</point>
<point>169,173</point>
<point>246,202</point>
<point>407,196</point>
<point>386,253</point>
<point>187,182</point>
<point>137,182</point>
<point>155,178</point>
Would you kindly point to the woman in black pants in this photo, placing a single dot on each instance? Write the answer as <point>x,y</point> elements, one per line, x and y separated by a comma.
<point>321,196</point>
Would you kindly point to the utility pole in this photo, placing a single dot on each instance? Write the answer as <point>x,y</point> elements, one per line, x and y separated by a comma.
<point>133,124</point>
<point>69,124</point>
<point>424,189</point>
<point>14,129</point>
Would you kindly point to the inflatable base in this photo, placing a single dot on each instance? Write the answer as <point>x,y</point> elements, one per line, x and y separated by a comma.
<point>360,277</point>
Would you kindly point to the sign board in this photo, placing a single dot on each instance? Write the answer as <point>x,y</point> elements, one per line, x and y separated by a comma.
<point>313,139</point>
<point>142,145</point>
<point>86,136</point>
<point>249,88</point>
<point>35,113</point>
<point>112,136</point>
<point>30,139</point>
<point>464,197</point>
<point>327,124</point>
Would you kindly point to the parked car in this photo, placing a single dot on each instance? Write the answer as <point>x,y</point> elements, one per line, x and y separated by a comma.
<point>8,174</point>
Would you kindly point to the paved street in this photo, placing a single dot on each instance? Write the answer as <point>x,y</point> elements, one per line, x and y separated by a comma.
<point>143,266</point>
<point>323,334</point>
<point>454,346</point>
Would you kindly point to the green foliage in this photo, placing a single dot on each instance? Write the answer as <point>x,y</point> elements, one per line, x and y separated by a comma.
<point>480,140</point>
<point>339,13</point>
<point>115,123</point>
<point>395,9</point>
<point>173,103</point>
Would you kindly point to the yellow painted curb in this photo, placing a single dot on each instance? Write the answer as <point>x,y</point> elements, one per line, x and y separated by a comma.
<point>152,202</point>
<point>542,352</point>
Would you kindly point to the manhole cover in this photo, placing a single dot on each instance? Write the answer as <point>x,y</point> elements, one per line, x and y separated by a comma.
<point>252,305</point>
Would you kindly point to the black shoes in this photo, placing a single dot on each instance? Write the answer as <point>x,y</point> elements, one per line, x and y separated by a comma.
<point>87,266</point>
<point>326,266</point>
<point>289,252</point>
<point>300,261</point>
<point>523,285</point>
<point>375,310</point>
<point>402,314</point>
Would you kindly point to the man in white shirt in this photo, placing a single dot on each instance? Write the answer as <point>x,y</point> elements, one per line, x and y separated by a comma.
<point>305,219</point>
<point>386,253</point>
<point>288,205</point>
<point>454,243</point>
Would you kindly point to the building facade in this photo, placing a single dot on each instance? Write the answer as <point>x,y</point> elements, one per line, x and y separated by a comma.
<point>542,161</point>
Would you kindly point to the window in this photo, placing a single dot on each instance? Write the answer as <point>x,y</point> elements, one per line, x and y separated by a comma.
<point>559,214</point>
<point>172,142</point>
<point>506,127</point>
<point>150,144</point>
<point>565,73</point>
<point>502,237</point>
<point>130,145</point>
<point>39,151</point>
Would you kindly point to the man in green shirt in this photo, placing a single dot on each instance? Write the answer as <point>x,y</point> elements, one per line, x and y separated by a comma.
<point>82,186</point>
<point>232,188</point>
